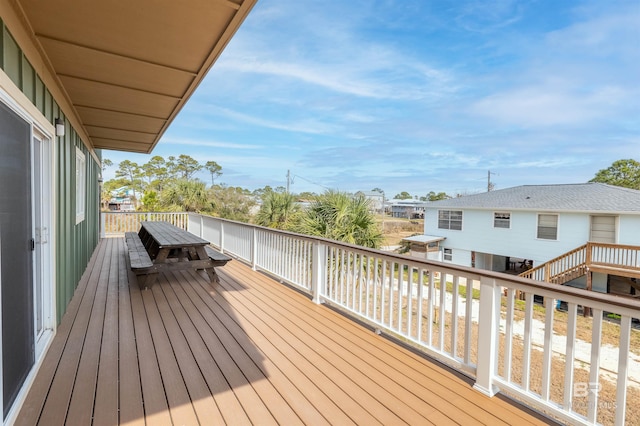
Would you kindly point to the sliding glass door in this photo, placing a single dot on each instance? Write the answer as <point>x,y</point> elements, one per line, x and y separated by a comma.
<point>17,246</point>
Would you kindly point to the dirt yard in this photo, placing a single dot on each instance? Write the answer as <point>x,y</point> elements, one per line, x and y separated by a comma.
<point>395,229</point>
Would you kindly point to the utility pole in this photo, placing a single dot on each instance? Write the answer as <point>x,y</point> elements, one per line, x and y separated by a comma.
<point>382,211</point>
<point>288,180</point>
<point>489,184</point>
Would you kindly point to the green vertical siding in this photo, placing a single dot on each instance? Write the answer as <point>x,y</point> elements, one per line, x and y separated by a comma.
<point>75,243</point>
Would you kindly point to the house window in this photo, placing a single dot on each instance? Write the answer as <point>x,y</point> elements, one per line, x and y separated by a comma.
<point>81,185</point>
<point>548,226</point>
<point>448,254</point>
<point>502,220</point>
<point>450,219</point>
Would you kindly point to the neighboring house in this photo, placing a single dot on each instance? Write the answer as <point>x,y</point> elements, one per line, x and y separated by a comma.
<point>77,77</point>
<point>408,209</point>
<point>533,223</point>
<point>118,204</point>
<point>376,200</point>
<point>121,200</point>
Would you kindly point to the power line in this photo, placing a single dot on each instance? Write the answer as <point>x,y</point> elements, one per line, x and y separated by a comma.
<point>291,180</point>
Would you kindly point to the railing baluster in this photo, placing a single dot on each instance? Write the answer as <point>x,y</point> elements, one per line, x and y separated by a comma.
<point>391,286</point>
<point>337,274</point>
<point>526,359</point>
<point>432,295</point>
<point>468,326</point>
<point>360,282</point>
<point>454,316</point>
<point>548,346</point>
<point>570,355</point>
<point>419,302</point>
<point>508,333</point>
<point>442,310</point>
<point>376,264</point>
<point>409,299</point>
<point>353,259</point>
<point>594,368</point>
<point>400,300</point>
<point>368,287</point>
<point>343,268</point>
<point>623,369</point>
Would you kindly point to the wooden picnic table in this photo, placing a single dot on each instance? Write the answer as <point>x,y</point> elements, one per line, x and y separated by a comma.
<point>170,248</point>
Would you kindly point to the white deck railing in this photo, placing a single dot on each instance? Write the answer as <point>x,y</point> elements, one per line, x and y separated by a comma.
<point>577,369</point>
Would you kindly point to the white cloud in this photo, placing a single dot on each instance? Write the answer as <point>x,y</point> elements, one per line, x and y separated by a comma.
<point>206,143</point>
<point>488,16</point>
<point>310,125</point>
<point>550,105</point>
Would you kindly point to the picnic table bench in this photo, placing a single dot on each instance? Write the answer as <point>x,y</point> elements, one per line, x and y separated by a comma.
<point>141,263</point>
<point>160,246</point>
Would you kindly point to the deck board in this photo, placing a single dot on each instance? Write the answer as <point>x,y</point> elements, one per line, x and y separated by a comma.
<point>245,351</point>
<point>439,392</point>
<point>276,392</point>
<point>57,403</point>
<point>129,390</point>
<point>106,405</point>
<point>349,362</point>
<point>227,374</point>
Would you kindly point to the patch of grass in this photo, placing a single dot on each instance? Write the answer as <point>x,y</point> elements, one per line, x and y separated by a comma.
<point>462,291</point>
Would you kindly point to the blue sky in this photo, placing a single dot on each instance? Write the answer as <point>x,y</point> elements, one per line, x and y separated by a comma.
<point>417,96</point>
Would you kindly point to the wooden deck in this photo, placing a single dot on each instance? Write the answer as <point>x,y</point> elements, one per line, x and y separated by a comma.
<point>246,351</point>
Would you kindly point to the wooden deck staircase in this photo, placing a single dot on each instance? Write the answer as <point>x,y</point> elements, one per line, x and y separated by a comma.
<point>614,259</point>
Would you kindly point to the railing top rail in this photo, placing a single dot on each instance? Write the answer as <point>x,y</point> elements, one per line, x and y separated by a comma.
<point>613,245</point>
<point>140,212</point>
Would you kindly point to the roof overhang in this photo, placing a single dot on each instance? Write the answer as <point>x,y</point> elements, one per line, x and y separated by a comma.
<point>424,239</point>
<point>127,68</point>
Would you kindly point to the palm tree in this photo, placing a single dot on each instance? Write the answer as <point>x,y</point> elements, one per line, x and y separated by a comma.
<point>186,195</point>
<point>278,210</point>
<point>339,216</point>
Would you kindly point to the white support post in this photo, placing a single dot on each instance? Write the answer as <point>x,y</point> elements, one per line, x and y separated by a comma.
<point>103,227</point>
<point>254,248</point>
<point>488,336</point>
<point>319,263</point>
<point>221,237</point>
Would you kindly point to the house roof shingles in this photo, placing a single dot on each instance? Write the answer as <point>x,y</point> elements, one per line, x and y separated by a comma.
<point>584,197</point>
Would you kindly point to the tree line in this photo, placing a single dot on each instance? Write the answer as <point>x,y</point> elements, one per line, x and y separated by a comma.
<point>171,185</point>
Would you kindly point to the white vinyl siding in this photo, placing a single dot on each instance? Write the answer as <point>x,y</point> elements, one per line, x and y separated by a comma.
<point>548,226</point>
<point>502,220</point>
<point>450,219</point>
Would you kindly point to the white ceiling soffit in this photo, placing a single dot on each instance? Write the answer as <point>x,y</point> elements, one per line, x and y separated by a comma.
<point>128,67</point>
